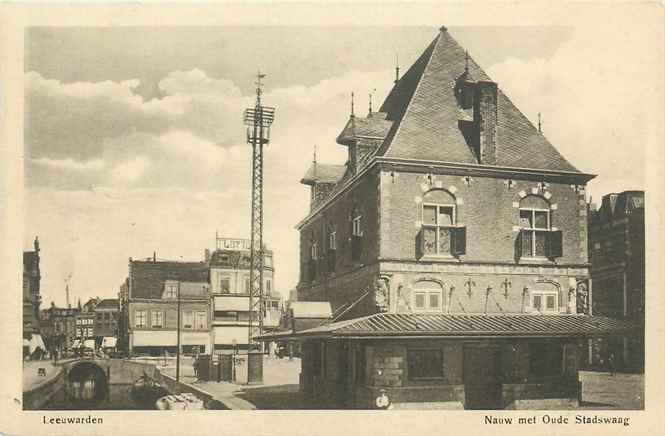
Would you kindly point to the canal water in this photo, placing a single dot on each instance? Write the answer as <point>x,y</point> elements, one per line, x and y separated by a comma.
<point>119,398</point>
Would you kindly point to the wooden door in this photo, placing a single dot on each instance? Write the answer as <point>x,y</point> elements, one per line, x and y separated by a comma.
<point>481,377</point>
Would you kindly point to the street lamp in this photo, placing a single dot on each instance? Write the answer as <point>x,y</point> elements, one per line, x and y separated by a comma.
<point>234,344</point>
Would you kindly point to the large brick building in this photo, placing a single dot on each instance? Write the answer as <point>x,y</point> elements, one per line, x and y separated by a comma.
<point>616,250</point>
<point>452,246</point>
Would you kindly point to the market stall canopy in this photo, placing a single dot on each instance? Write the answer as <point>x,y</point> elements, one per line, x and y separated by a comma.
<point>466,325</point>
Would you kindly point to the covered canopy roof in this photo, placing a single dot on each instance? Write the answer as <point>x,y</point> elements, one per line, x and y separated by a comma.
<point>466,325</point>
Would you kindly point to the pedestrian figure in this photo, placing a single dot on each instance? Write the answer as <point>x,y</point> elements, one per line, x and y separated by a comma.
<point>195,364</point>
<point>611,362</point>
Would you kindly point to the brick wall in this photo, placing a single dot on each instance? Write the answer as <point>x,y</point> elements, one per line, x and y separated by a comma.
<point>170,313</point>
<point>489,209</point>
<point>361,199</point>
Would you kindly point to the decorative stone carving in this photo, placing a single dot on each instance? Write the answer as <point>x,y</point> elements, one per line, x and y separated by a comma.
<point>582,296</point>
<point>382,293</point>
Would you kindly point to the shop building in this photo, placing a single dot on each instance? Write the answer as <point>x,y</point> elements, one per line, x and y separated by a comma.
<point>157,291</point>
<point>452,248</point>
<point>229,277</point>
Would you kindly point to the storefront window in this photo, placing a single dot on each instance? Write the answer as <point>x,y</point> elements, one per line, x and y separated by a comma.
<point>425,364</point>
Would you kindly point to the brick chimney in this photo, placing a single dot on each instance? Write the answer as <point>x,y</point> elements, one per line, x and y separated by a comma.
<point>484,121</point>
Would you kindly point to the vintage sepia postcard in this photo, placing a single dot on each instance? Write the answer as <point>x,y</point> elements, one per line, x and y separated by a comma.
<point>329,218</point>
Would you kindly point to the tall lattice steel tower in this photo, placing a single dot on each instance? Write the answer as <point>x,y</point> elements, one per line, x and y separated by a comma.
<point>258,120</point>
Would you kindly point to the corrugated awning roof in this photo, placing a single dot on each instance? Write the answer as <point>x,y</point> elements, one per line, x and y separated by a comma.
<point>467,325</point>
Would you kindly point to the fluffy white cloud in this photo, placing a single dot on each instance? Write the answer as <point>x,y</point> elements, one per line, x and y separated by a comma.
<point>70,164</point>
<point>597,99</point>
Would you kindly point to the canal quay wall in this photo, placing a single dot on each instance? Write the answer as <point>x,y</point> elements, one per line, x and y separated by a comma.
<point>119,372</point>
<point>35,397</point>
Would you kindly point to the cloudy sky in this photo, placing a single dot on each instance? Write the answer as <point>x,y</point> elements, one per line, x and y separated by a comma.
<point>134,138</point>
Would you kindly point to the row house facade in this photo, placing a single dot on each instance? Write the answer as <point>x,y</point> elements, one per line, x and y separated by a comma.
<point>452,248</point>
<point>58,326</point>
<point>617,254</point>
<point>106,323</point>
<point>31,295</point>
<point>230,287</point>
<point>161,294</point>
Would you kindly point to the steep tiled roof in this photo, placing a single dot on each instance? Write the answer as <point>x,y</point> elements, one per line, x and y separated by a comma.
<point>412,324</point>
<point>375,125</point>
<point>148,277</point>
<point>323,173</point>
<point>425,113</point>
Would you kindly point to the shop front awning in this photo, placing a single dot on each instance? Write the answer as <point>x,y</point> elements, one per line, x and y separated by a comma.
<point>109,342</point>
<point>385,325</point>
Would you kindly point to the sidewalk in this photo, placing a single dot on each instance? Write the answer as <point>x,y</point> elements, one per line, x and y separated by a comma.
<point>31,377</point>
<point>602,390</point>
<point>279,389</point>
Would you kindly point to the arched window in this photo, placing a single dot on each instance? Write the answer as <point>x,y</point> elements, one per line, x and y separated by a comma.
<point>427,296</point>
<point>439,224</point>
<point>535,224</point>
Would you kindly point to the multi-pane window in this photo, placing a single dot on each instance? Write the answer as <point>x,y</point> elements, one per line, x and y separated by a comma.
<point>423,364</point>
<point>545,301</point>
<point>357,229</point>
<point>140,318</point>
<point>225,284</point>
<point>157,319</point>
<point>535,225</point>
<point>78,332</point>
<point>427,296</point>
<point>248,286</point>
<point>438,225</point>
<point>267,261</point>
<point>314,251</point>
<point>332,240</point>
<point>268,286</point>
<point>201,320</point>
<point>188,320</point>
<point>170,290</point>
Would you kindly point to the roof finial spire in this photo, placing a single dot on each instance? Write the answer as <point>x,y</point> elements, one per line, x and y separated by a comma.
<point>540,130</point>
<point>466,61</point>
<point>370,100</point>
<point>314,159</point>
<point>352,114</point>
<point>443,29</point>
<point>396,68</point>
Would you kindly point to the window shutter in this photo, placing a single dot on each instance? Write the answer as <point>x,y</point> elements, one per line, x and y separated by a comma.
<point>420,244</point>
<point>518,244</point>
<point>356,245</point>
<point>458,241</point>
<point>554,244</point>
<point>331,260</point>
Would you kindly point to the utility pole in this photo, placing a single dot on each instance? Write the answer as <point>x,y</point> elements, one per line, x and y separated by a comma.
<point>177,356</point>
<point>258,120</point>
